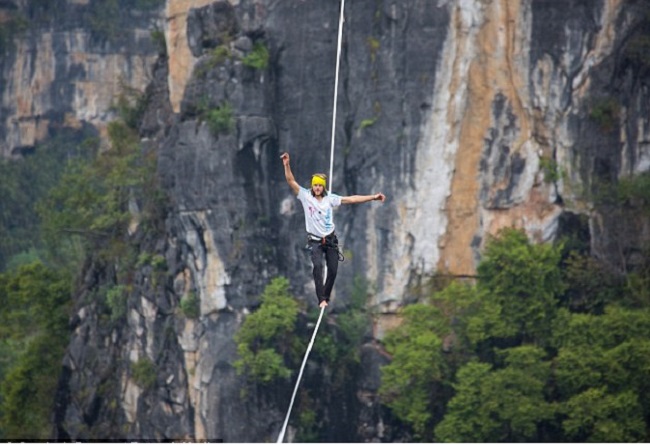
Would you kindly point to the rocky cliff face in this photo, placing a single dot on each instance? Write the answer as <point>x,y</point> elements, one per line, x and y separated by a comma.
<point>469,115</point>
<point>65,62</point>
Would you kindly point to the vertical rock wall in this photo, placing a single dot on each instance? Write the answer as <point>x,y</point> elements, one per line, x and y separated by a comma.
<point>60,72</point>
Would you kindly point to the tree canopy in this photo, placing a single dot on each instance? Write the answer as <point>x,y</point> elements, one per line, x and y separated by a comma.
<point>34,305</point>
<point>509,358</point>
<point>266,335</point>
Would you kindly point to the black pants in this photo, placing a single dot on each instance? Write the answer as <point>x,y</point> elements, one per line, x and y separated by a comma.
<point>331,254</point>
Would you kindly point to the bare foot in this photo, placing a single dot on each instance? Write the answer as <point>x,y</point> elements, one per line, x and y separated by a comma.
<point>323,304</point>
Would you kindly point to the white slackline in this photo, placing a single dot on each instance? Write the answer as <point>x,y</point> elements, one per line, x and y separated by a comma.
<point>336,89</point>
<point>302,367</point>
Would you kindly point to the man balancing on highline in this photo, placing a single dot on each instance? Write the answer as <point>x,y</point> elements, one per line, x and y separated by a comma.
<point>319,222</point>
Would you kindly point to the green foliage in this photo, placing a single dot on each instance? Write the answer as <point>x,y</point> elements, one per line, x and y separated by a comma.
<point>157,261</point>
<point>616,324</point>
<point>521,281</point>
<point>83,197</point>
<point>637,283</point>
<point>144,373</point>
<point>499,405</point>
<point>605,112</point>
<point>367,123</point>
<point>23,182</point>
<point>220,119</point>
<point>422,365</point>
<point>373,45</point>
<point>159,41</point>
<point>352,326</point>
<point>504,360</point>
<point>91,199</point>
<point>34,304</point>
<point>28,390</point>
<point>595,416</point>
<point>603,374</point>
<point>590,284</point>
<point>191,305</point>
<point>631,192</point>
<point>262,366</point>
<point>306,426</point>
<point>417,349</point>
<point>461,307</point>
<point>144,259</point>
<point>33,298</point>
<point>116,299</point>
<point>550,168</point>
<point>617,331</point>
<point>89,207</point>
<point>466,418</point>
<point>216,57</point>
<point>267,335</point>
<point>22,259</point>
<point>258,58</point>
<point>131,105</point>
<point>219,55</point>
<point>355,320</point>
<point>634,191</point>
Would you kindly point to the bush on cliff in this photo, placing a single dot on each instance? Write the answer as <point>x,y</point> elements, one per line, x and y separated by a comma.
<point>267,335</point>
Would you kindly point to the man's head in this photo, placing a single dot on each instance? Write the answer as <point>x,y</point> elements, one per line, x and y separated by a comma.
<point>319,184</point>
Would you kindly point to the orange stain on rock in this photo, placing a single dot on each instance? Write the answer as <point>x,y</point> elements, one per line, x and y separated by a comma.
<point>492,72</point>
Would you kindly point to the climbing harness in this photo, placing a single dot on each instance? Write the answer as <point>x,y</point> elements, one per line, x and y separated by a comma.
<point>326,242</point>
<point>322,310</point>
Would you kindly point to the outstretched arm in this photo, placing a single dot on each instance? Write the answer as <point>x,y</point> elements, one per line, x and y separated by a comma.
<point>358,199</point>
<point>288,174</point>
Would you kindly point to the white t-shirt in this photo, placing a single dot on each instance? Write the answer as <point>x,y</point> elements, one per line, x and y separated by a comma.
<point>319,220</point>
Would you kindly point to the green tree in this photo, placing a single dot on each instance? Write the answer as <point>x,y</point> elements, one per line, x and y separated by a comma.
<point>220,119</point>
<point>590,283</point>
<point>493,331</point>
<point>604,360</point>
<point>267,335</point>
<point>519,364</point>
<point>92,205</point>
<point>34,303</point>
<point>33,300</point>
<point>426,349</point>
<point>596,415</point>
<point>411,381</point>
<point>22,183</point>
<point>144,373</point>
<point>499,405</point>
<point>522,282</point>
